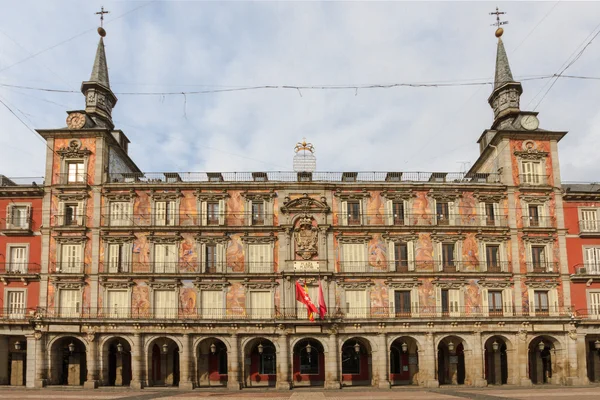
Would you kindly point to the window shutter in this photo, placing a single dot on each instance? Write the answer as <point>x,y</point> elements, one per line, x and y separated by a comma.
<point>222,212</point>
<point>114,251</point>
<point>414,298</point>
<point>507,298</point>
<point>406,212</point>
<point>594,298</point>
<point>16,304</point>
<point>548,257</point>
<point>248,213</point>
<point>589,220</point>
<point>596,262</point>
<point>503,261</point>
<point>220,257</point>
<point>531,296</point>
<point>10,218</point>
<point>203,213</point>
<point>483,257</point>
<point>160,213</point>
<point>553,302</point>
<point>391,302</point>
<point>172,258</point>
<point>434,212</point>
<point>458,254</point>
<point>438,256</point>
<point>126,251</point>
<point>159,258</point>
<point>497,216</point>
<point>344,216</point>
<point>268,212</point>
<point>260,304</point>
<point>389,212</point>
<point>455,302</point>
<point>452,217</point>
<point>410,254</point>
<point>438,300</point>
<point>18,259</point>
<point>482,214</point>
<point>391,256</point>
<point>485,306</point>
<point>528,258</point>
<point>172,213</point>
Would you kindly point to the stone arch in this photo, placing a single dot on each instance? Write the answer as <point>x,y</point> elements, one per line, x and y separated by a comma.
<point>67,367</point>
<point>211,367</point>
<point>451,360</point>
<point>308,363</point>
<point>497,361</point>
<point>115,368</point>
<point>371,346</point>
<point>403,366</point>
<point>545,365</point>
<point>263,362</point>
<point>162,367</point>
<point>322,341</point>
<point>357,366</point>
<point>392,339</point>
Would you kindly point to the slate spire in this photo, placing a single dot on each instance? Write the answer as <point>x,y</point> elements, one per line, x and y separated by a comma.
<point>503,73</point>
<point>100,69</point>
<point>506,95</point>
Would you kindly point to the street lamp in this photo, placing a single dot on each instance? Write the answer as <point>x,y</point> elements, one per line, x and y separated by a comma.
<point>165,348</point>
<point>308,348</point>
<point>261,348</point>
<point>357,348</point>
<point>596,346</point>
<point>451,347</point>
<point>541,346</point>
<point>495,346</point>
<point>71,347</point>
<point>404,347</point>
<point>213,348</point>
<point>119,348</point>
<point>17,345</point>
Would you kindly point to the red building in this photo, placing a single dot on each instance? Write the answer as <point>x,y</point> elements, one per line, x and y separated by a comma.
<point>20,253</point>
<point>582,221</point>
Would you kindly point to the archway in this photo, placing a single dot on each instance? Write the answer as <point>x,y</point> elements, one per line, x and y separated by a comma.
<point>542,360</point>
<point>262,370</point>
<point>116,362</point>
<point>496,361</point>
<point>308,366</point>
<point>212,363</point>
<point>451,361</point>
<point>404,361</point>
<point>13,359</point>
<point>592,344</point>
<point>356,362</point>
<point>68,362</point>
<point>164,362</point>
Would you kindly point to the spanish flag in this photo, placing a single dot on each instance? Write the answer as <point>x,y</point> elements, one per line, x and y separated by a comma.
<point>303,297</point>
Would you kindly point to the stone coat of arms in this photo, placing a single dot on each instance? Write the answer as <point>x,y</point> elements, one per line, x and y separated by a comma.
<point>306,236</point>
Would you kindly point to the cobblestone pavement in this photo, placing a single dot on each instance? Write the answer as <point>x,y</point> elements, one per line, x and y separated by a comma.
<point>454,393</point>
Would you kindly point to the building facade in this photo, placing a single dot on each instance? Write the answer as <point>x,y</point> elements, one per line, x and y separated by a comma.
<point>188,279</point>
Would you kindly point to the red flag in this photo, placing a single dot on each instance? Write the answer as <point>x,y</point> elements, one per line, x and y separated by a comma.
<point>303,297</point>
<point>321,301</point>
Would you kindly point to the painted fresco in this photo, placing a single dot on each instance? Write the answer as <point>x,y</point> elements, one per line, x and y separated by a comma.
<point>235,254</point>
<point>142,209</point>
<point>141,253</point>
<point>377,253</point>
<point>87,143</point>
<point>472,293</point>
<point>517,145</point>
<point>467,209</point>
<point>375,209</point>
<point>470,253</point>
<point>140,298</point>
<point>427,295</point>
<point>235,209</point>
<point>188,209</point>
<point>379,299</point>
<point>236,299</point>
<point>424,253</point>
<point>187,298</point>
<point>188,257</point>
<point>421,209</point>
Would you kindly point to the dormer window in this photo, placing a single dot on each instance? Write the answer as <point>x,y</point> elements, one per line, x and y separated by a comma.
<point>531,173</point>
<point>75,172</point>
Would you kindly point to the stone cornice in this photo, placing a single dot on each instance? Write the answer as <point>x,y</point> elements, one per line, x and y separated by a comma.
<point>255,196</point>
<point>162,195</point>
<point>305,204</point>
<point>398,194</point>
<point>211,196</point>
<point>341,238</point>
<point>258,239</point>
<point>120,196</point>
<point>351,195</point>
<point>173,238</point>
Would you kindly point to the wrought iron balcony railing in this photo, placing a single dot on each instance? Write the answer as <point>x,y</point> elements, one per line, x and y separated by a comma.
<point>423,266</point>
<point>187,219</point>
<point>587,269</point>
<point>183,268</point>
<point>592,226</point>
<point>425,219</point>
<point>74,267</point>
<point>539,222</point>
<point>542,267</point>
<point>16,224</point>
<point>68,221</point>
<point>533,179</point>
<point>79,178</point>
<point>19,268</point>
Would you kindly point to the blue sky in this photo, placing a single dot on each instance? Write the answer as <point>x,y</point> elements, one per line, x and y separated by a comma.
<point>178,46</point>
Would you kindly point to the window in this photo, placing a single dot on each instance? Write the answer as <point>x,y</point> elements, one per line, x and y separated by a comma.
<point>258,213</point>
<point>531,172</point>
<point>538,259</point>
<point>541,301</point>
<point>165,304</point>
<point>165,258</point>
<point>594,304</point>
<point>442,213</point>
<point>353,213</point>
<point>402,303</point>
<point>398,212</point>
<point>492,257</point>
<point>495,303</point>
<point>448,257</point>
<point>591,259</point>
<point>210,262</point>
<point>212,304</point>
<point>261,305</point>
<point>17,261</point>
<point>267,361</point>
<point>535,212</point>
<point>212,213</point>
<point>120,213</point>
<point>76,173</point>
<point>490,214</point>
<point>15,306</point>
<point>450,302</point>
<point>309,362</point>
<point>589,220</point>
<point>71,260</point>
<point>69,302</point>
<point>356,304</point>
<point>350,360</point>
<point>119,257</point>
<point>71,216</point>
<point>354,258</point>
<point>117,303</point>
<point>401,257</point>
<point>165,213</point>
<point>19,217</point>
<point>260,258</point>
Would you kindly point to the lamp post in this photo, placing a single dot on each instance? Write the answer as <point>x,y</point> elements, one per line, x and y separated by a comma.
<point>404,347</point>
<point>71,347</point>
<point>261,348</point>
<point>119,348</point>
<point>451,347</point>
<point>165,348</point>
<point>213,348</point>
<point>541,345</point>
<point>495,346</point>
<point>17,345</point>
<point>357,348</point>
<point>596,346</point>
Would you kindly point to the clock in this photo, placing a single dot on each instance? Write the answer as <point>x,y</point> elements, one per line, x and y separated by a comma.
<point>530,122</point>
<point>76,120</point>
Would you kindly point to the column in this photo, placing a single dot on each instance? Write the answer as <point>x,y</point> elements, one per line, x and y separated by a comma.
<point>40,380</point>
<point>427,365</point>
<point>477,361</point>
<point>31,365</point>
<point>332,368</point>
<point>283,363</point>
<point>233,357</point>
<point>380,361</point>
<point>185,382</point>
<point>523,357</point>
<point>4,360</point>
<point>91,363</point>
<point>497,367</point>
<point>136,362</point>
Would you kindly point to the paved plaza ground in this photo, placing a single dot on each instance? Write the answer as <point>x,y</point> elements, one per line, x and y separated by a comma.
<point>505,393</point>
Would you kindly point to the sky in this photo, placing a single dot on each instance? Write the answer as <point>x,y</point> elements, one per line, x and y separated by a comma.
<point>187,46</point>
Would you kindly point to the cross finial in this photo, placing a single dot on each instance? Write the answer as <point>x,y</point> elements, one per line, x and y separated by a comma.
<point>498,13</point>
<point>101,13</point>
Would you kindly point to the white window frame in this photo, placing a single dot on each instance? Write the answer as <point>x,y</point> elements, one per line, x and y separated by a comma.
<point>544,221</point>
<point>593,303</point>
<point>361,212</point>
<point>10,223</point>
<point>553,309</point>
<point>547,254</point>
<point>357,312</point>
<point>502,255</point>
<point>9,310</point>
<point>212,313</point>
<point>588,226</point>
<point>592,266</point>
<point>165,212</point>
<point>165,265</point>
<point>452,214</point>
<point>532,175</point>
<point>356,260</point>
<point>220,256</point>
<point>78,265</point>
<point>410,254</point>
<point>483,213</point>
<point>222,211</point>
<point>78,174</point>
<point>267,313</point>
<point>10,268</point>
<point>456,301</point>
<point>126,255</point>
<point>69,313</point>
<point>165,312</point>
<point>122,311</point>
<point>262,266</point>
<point>125,213</point>
<point>507,301</point>
<point>389,212</point>
<point>438,253</point>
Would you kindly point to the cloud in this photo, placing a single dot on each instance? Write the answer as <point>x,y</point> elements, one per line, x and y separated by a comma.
<point>184,46</point>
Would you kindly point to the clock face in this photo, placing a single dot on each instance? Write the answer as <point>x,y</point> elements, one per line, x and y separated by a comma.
<point>530,122</point>
<point>76,121</point>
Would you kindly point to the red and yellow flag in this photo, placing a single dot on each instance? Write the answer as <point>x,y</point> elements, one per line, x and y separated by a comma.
<point>303,297</point>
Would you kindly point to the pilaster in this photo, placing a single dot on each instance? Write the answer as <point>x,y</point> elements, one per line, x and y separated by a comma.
<point>283,364</point>
<point>332,368</point>
<point>233,357</point>
<point>91,363</point>
<point>137,362</point>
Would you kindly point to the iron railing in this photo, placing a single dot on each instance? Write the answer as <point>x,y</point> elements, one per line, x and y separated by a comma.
<point>183,268</point>
<point>539,267</point>
<point>68,221</point>
<point>424,219</point>
<point>539,222</point>
<point>71,179</point>
<point>19,268</point>
<point>68,267</point>
<point>587,269</point>
<point>16,224</point>
<point>21,181</point>
<point>422,266</point>
<point>288,176</point>
<point>533,179</point>
<point>592,226</point>
<point>189,219</point>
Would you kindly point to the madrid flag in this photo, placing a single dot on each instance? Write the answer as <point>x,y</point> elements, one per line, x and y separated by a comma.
<point>321,301</point>
<point>303,297</point>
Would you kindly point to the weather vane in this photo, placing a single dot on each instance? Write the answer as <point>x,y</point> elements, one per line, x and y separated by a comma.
<point>498,23</point>
<point>101,30</point>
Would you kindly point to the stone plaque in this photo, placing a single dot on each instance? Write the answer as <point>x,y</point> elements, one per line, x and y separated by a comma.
<point>306,265</point>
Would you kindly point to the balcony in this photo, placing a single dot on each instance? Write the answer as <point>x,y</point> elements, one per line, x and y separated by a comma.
<point>539,222</point>
<point>17,313</point>
<point>587,269</point>
<point>458,220</point>
<point>542,267</point>
<point>533,180</point>
<point>234,219</point>
<point>409,266</point>
<point>179,268</point>
<point>69,267</point>
<point>19,268</point>
<point>68,222</point>
<point>589,228</point>
<point>16,226</point>
<point>78,179</point>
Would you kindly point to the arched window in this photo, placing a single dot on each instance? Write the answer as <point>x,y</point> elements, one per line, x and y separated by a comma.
<point>350,360</point>
<point>267,362</point>
<point>309,362</point>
